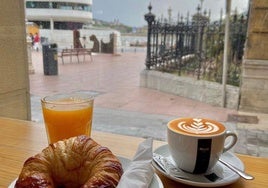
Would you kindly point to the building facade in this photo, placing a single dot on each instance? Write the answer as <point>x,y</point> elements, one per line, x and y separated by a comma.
<point>59,14</point>
<point>254,86</point>
<point>57,19</point>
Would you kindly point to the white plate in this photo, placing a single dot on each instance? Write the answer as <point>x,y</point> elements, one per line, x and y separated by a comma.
<point>155,183</point>
<point>226,175</point>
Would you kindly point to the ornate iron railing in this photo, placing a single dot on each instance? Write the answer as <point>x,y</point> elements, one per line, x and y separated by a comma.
<point>195,48</point>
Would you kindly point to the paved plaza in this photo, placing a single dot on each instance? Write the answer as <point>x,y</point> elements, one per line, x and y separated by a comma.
<point>121,106</point>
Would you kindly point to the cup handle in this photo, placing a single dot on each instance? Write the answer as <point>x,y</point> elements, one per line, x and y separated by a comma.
<point>232,142</point>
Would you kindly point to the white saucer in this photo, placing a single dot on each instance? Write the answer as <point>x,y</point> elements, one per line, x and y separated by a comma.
<point>155,183</point>
<point>226,175</point>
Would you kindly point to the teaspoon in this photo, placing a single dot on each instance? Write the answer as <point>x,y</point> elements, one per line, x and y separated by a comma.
<point>238,171</point>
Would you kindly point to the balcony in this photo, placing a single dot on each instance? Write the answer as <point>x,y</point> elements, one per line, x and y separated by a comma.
<point>58,15</point>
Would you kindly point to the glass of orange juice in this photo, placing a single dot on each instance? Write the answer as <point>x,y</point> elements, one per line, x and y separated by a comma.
<point>67,115</point>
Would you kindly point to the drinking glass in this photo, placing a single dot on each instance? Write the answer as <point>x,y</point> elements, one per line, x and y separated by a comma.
<point>67,115</point>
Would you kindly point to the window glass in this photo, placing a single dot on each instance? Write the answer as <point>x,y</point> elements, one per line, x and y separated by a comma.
<point>67,25</point>
<point>59,5</point>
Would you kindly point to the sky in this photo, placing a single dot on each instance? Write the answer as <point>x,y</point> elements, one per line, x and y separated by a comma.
<point>131,12</point>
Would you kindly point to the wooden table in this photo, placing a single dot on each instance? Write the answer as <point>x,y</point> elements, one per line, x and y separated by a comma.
<point>22,139</point>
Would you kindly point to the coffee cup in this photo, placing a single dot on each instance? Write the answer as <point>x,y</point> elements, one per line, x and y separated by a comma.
<point>196,144</point>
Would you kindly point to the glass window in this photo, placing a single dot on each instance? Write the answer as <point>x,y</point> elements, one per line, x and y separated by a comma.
<point>59,5</point>
<point>34,4</point>
<point>42,24</point>
<point>67,25</point>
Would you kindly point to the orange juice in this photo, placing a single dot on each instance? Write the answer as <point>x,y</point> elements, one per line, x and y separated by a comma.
<point>67,118</point>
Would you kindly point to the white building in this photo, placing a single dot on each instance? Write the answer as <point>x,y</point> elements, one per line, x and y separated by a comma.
<point>58,18</point>
<point>59,14</point>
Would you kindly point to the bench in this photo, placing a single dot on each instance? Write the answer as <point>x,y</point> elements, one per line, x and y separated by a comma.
<point>75,52</point>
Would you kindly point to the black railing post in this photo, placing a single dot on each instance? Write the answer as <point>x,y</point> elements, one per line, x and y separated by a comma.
<point>194,46</point>
<point>149,17</point>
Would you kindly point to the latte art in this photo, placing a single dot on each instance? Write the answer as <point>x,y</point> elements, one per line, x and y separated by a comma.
<point>198,127</point>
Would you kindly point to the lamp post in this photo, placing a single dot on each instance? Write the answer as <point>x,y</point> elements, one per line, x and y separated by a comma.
<point>149,17</point>
<point>225,52</point>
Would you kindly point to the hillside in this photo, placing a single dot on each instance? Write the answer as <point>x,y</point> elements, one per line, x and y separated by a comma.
<point>113,25</point>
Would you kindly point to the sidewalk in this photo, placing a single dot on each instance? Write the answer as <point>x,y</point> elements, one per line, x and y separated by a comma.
<point>122,107</point>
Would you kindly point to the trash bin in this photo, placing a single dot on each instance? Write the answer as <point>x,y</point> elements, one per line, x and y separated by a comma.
<point>50,59</point>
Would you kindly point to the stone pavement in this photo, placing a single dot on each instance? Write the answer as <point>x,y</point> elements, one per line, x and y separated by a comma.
<point>122,107</point>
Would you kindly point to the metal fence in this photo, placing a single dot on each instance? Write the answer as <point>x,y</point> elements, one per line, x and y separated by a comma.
<point>195,47</point>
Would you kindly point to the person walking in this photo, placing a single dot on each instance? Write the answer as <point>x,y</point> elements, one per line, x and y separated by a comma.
<point>32,39</point>
<point>36,42</point>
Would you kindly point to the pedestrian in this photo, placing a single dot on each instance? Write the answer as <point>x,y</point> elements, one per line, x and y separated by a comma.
<point>36,42</point>
<point>32,39</point>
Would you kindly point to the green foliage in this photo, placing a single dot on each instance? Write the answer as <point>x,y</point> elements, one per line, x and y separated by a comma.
<point>117,26</point>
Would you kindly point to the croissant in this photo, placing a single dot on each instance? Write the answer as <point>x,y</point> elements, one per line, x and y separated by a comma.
<point>71,163</point>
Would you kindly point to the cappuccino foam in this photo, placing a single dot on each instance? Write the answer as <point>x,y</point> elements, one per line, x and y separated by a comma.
<point>196,126</point>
